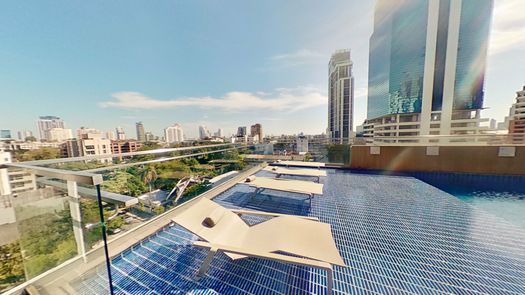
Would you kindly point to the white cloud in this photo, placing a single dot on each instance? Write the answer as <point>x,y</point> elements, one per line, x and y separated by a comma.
<point>302,54</point>
<point>283,99</point>
<point>297,58</point>
<point>508,29</point>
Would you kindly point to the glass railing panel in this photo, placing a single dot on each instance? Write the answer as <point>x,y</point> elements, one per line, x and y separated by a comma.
<point>148,195</point>
<point>45,228</point>
<point>45,242</point>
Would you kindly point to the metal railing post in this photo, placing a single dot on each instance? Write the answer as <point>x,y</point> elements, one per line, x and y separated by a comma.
<point>76,216</point>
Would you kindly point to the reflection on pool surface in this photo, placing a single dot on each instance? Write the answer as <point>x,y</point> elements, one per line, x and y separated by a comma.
<point>509,206</point>
<point>500,195</point>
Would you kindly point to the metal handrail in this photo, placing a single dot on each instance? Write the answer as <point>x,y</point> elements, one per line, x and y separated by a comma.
<point>149,152</point>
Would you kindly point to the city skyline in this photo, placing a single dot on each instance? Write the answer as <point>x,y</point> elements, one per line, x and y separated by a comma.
<point>84,83</point>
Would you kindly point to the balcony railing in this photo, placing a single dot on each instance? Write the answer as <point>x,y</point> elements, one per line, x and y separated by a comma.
<point>74,214</point>
<point>446,140</point>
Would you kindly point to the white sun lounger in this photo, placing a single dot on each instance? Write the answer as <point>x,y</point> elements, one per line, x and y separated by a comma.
<point>285,185</point>
<point>296,172</point>
<point>222,230</point>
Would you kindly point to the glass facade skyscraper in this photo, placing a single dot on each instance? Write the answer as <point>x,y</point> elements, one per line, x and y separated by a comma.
<point>401,56</point>
<point>472,52</point>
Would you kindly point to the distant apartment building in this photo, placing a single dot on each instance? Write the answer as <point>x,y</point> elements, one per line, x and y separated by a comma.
<point>95,144</point>
<point>29,145</point>
<point>5,134</point>
<point>14,181</point>
<point>121,135</point>
<point>340,97</point>
<point>174,134</point>
<point>256,131</point>
<point>82,131</point>
<point>219,133</point>
<point>141,134</point>
<point>241,131</point>
<point>204,133</point>
<point>91,144</point>
<point>427,67</point>
<point>493,124</point>
<point>45,123</point>
<point>58,134</point>
<point>302,144</point>
<point>243,139</point>
<point>70,149</point>
<point>517,117</point>
<point>149,137</point>
<point>24,134</point>
<point>110,135</point>
<point>125,146</point>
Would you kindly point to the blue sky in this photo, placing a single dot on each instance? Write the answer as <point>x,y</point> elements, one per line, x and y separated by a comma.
<point>104,64</point>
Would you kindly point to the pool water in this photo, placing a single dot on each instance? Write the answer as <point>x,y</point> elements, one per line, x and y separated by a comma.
<point>500,195</point>
<point>507,205</point>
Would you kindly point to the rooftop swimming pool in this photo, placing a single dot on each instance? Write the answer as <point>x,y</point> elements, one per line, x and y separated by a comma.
<point>397,235</point>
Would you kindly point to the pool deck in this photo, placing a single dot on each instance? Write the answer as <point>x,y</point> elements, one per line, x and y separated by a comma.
<point>397,235</point>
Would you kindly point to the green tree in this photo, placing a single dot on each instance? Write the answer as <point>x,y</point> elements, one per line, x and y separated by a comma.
<point>194,191</point>
<point>125,183</point>
<point>11,268</point>
<point>149,175</point>
<point>115,223</point>
<point>39,154</point>
<point>307,157</point>
<point>159,210</point>
<point>147,146</point>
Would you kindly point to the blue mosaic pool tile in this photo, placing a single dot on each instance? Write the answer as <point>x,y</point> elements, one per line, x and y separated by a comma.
<point>397,235</point>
